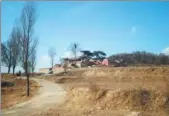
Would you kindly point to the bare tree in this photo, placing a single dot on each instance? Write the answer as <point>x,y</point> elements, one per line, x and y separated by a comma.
<point>52,54</point>
<point>15,37</point>
<point>33,55</point>
<point>28,19</point>
<point>6,54</point>
<point>74,49</point>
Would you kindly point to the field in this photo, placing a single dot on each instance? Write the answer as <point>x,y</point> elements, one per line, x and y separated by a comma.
<point>13,90</point>
<point>121,91</point>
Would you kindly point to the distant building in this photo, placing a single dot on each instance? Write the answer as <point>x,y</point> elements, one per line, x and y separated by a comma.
<point>75,61</point>
<point>105,62</point>
<point>44,70</point>
<point>84,61</point>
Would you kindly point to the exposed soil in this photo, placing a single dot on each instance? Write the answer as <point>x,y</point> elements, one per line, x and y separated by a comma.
<point>17,93</point>
<point>122,91</point>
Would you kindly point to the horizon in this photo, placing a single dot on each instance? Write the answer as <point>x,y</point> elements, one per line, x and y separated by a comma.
<point>113,27</point>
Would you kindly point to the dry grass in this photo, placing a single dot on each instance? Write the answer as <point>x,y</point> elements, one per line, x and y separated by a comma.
<point>17,93</point>
<point>115,92</point>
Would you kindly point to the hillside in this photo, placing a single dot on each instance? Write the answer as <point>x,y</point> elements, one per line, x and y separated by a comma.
<point>123,91</point>
<point>140,58</point>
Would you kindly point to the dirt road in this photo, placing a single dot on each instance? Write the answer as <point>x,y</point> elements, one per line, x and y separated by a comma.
<point>49,94</point>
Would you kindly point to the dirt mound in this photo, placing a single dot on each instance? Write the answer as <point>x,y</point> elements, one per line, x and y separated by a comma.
<point>130,71</point>
<point>136,100</point>
<point>69,80</point>
<point>120,72</point>
<point>95,72</point>
<point>76,72</point>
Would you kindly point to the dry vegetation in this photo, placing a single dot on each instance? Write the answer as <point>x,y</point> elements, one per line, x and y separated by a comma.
<point>129,91</point>
<point>16,93</point>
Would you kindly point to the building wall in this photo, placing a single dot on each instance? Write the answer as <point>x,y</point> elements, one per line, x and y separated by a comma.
<point>58,69</point>
<point>44,70</point>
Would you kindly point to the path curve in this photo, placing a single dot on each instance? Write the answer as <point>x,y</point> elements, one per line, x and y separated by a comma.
<point>49,94</point>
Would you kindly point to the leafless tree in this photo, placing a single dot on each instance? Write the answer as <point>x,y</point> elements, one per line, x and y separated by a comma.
<point>6,54</point>
<point>28,19</point>
<point>33,55</point>
<point>52,54</point>
<point>74,49</point>
<point>15,37</point>
<point>33,61</point>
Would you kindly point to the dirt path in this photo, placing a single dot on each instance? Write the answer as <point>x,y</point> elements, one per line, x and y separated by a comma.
<point>50,94</point>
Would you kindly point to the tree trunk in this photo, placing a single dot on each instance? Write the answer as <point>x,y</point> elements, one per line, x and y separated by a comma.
<point>52,64</point>
<point>75,56</point>
<point>9,68</point>
<point>27,84</point>
<point>13,69</point>
<point>32,70</point>
<point>27,73</point>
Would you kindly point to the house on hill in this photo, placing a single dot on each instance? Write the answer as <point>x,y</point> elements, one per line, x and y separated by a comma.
<point>74,61</point>
<point>84,61</point>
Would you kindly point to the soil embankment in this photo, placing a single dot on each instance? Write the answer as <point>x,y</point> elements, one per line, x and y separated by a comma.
<point>123,91</point>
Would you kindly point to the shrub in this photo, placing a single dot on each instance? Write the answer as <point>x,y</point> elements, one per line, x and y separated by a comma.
<point>7,84</point>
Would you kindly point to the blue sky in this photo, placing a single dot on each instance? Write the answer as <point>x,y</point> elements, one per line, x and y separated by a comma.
<point>113,27</point>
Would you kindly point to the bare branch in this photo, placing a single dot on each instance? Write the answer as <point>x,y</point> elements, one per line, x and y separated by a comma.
<point>52,54</point>
<point>15,37</point>
<point>74,47</point>
<point>27,41</point>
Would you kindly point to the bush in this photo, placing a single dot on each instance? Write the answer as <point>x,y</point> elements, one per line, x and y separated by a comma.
<point>7,84</point>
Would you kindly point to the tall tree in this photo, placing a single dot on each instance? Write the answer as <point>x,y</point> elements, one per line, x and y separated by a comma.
<point>33,55</point>
<point>28,19</point>
<point>6,54</point>
<point>52,54</point>
<point>15,37</point>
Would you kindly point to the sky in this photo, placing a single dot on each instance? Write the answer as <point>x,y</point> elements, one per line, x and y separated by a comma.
<point>113,27</point>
